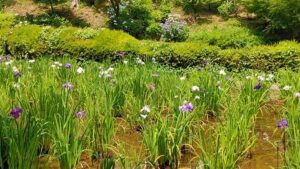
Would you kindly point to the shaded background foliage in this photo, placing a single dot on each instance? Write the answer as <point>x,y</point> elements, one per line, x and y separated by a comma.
<point>281,16</point>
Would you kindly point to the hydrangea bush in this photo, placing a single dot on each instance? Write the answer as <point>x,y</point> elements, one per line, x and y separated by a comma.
<point>175,30</point>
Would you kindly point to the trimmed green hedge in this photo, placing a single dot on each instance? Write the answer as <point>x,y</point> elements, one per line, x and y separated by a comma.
<point>178,54</point>
<point>285,54</point>
<point>35,41</point>
<point>6,22</point>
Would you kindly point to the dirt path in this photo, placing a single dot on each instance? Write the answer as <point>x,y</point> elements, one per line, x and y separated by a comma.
<point>85,13</point>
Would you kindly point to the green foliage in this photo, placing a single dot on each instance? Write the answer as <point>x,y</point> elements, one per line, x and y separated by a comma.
<point>50,38</point>
<point>194,6</point>
<point>175,30</point>
<point>51,122</point>
<point>139,18</point>
<point>225,9</point>
<point>160,14</point>
<point>230,35</point>
<point>7,20</point>
<point>154,31</point>
<point>104,45</point>
<point>2,5</point>
<point>15,135</point>
<point>179,54</point>
<point>284,54</point>
<point>22,155</point>
<point>87,33</point>
<point>24,41</point>
<point>165,139</point>
<point>290,136</point>
<point>107,164</point>
<point>134,18</point>
<point>282,16</point>
<point>46,19</point>
<point>3,37</point>
<point>34,41</point>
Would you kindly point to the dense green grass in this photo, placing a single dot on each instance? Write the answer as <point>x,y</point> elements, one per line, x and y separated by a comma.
<point>61,121</point>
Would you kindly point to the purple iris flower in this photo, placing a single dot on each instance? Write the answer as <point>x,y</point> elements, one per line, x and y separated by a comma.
<point>283,123</point>
<point>15,112</point>
<point>1,60</point>
<point>6,57</point>
<point>189,107</point>
<point>121,54</point>
<point>203,64</point>
<point>297,94</point>
<point>68,86</point>
<point>186,107</point>
<point>17,74</point>
<point>257,86</point>
<point>68,66</point>
<point>80,114</point>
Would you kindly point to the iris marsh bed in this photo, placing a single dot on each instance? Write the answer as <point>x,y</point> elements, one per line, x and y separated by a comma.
<point>64,113</point>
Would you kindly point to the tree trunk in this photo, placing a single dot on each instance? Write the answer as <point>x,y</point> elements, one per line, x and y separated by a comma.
<point>52,9</point>
<point>116,6</point>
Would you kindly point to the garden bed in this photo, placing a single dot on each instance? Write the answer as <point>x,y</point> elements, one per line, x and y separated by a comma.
<point>131,113</point>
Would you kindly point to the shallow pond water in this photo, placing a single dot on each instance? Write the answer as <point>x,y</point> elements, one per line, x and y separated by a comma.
<point>266,153</point>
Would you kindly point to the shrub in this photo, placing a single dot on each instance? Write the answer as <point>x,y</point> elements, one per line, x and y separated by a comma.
<point>154,31</point>
<point>87,33</point>
<point>3,38</point>
<point>2,5</point>
<point>35,41</point>
<point>283,55</point>
<point>184,54</point>
<point>175,30</point>
<point>282,16</point>
<point>225,9</point>
<point>139,18</point>
<point>162,13</point>
<point>7,20</point>
<point>24,41</point>
<point>194,6</point>
<point>104,45</point>
<point>231,35</point>
<point>134,18</point>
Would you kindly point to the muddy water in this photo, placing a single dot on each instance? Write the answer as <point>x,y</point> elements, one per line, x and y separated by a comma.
<point>265,154</point>
<point>267,151</point>
<point>190,158</point>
